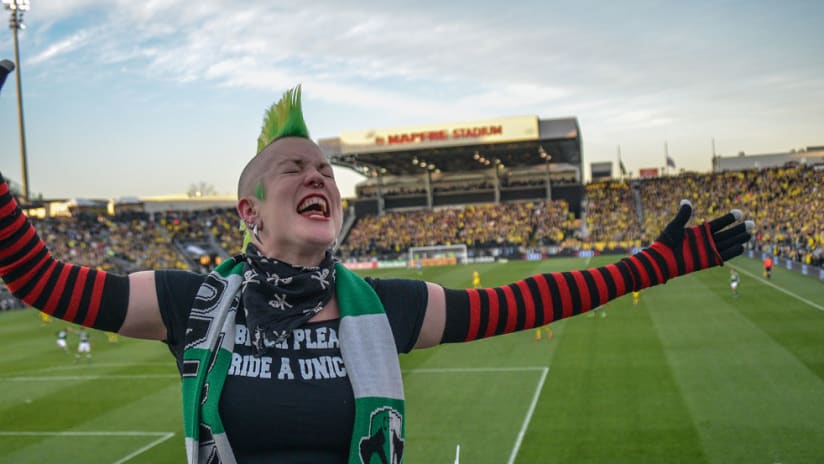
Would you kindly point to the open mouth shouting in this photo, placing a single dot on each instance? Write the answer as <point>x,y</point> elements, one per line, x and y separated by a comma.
<point>314,206</point>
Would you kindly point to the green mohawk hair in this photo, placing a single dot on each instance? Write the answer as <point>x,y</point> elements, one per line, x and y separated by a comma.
<point>283,119</point>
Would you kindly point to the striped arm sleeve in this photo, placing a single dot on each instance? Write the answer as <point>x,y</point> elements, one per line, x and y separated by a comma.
<point>472,314</point>
<point>73,293</point>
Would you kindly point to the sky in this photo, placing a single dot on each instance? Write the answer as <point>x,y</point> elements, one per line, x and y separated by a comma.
<point>146,98</point>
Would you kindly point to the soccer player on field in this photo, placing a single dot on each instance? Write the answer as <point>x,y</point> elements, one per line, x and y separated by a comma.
<point>544,328</point>
<point>734,282</point>
<point>476,279</point>
<point>636,297</point>
<point>768,265</point>
<point>61,340</point>
<point>84,346</point>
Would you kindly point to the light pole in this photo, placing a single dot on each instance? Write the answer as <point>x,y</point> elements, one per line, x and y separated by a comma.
<point>16,8</point>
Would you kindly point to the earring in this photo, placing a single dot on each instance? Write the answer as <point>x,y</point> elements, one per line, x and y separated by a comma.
<point>253,227</point>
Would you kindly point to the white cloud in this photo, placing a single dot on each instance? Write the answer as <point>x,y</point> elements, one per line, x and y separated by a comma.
<point>66,45</point>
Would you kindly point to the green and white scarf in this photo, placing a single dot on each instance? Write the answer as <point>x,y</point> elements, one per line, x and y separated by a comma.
<point>367,347</point>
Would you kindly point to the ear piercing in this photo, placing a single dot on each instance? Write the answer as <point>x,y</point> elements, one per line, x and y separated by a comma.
<point>255,230</point>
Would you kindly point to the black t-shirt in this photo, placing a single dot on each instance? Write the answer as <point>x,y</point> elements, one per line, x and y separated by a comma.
<point>294,403</point>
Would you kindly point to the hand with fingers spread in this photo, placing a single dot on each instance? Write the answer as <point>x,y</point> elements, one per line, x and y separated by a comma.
<point>680,250</point>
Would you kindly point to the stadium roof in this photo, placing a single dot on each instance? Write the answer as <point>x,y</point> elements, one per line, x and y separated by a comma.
<point>436,149</point>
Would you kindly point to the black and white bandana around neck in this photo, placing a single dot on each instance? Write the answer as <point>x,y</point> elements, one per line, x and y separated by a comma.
<point>278,297</point>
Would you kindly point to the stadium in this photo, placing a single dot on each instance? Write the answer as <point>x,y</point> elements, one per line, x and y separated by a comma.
<point>560,267</point>
<point>686,372</point>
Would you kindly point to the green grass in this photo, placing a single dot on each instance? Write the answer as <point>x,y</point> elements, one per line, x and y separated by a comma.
<point>688,375</point>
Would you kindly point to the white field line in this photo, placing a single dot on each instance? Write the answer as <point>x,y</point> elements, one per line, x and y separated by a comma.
<point>103,364</point>
<point>145,448</point>
<point>797,297</point>
<point>52,378</point>
<point>446,370</point>
<point>528,417</point>
<point>525,425</point>
<point>453,370</point>
<point>127,433</point>
<point>163,436</point>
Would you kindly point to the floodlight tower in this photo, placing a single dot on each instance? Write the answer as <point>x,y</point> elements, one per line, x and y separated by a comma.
<point>16,8</point>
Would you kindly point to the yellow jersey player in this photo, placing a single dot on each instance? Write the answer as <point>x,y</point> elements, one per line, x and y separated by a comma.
<point>476,279</point>
<point>544,328</point>
<point>636,297</point>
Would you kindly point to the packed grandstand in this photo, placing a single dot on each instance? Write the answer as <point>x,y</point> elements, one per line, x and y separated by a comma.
<point>507,188</point>
<point>617,215</point>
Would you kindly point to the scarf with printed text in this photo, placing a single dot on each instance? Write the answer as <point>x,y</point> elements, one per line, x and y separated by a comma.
<point>366,342</point>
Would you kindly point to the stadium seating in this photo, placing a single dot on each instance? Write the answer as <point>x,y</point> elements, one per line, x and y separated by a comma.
<point>786,204</point>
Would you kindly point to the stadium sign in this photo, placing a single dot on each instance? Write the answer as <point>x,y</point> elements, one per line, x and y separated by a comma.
<point>514,129</point>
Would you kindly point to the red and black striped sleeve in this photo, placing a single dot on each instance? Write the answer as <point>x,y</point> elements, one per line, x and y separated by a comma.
<point>543,298</point>
<point>77,294</point>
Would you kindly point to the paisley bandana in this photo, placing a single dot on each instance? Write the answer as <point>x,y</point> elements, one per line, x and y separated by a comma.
<point>278,297</point>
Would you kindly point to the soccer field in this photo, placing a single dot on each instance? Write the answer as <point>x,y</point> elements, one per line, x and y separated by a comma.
<point>688,375</point>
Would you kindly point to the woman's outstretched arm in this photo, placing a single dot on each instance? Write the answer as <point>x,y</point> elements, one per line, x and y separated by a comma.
<point>78,294</point>
<point>466,315</point>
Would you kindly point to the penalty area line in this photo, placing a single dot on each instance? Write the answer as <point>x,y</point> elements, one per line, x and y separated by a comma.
<point>145,448</point>
<point>535,396</point>
<point>162,436</point>
<point>528,417</point>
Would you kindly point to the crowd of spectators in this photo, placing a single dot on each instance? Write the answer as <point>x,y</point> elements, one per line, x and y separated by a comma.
<point>225,227</point>
<point>505,227</point>
<point>612,216</point>
<point>110,245</point>
<point>786,204</point>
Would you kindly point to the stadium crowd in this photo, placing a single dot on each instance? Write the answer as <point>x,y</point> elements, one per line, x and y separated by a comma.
<point>786,204</point>
<point>503,227</point>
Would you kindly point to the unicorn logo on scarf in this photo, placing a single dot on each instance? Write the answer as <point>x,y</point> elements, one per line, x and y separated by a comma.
<point>384,440</point>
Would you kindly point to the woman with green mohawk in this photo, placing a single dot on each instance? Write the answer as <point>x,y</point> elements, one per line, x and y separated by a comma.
<point>285,355</point>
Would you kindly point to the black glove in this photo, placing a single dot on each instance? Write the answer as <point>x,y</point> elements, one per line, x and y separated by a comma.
<point>710,244</point>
